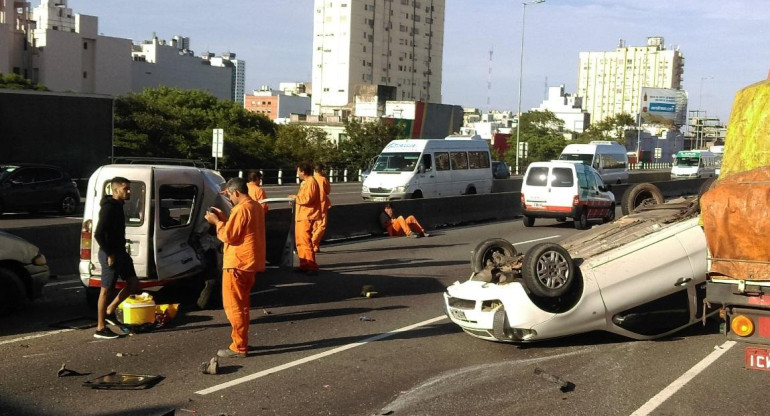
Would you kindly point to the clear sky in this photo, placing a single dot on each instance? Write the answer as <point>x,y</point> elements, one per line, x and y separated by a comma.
<point>725,43</point>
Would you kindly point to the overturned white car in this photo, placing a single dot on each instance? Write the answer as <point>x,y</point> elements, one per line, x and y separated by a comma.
<point>641,276</point>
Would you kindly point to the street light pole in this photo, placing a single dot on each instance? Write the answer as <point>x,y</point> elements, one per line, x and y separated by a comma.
<point>521,74</point>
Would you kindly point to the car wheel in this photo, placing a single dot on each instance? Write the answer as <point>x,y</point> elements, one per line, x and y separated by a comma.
<point>639,194</point>
<point>529,221</point>
<point>68,205</point>
<point>483,254</point>
<point>611,216</point>
<point>548,270</point>
<point>471,191</point>
<point>581,221</point>
<point>12,292</point>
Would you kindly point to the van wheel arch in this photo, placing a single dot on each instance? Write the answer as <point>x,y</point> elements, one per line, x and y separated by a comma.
<point>471,190</point>
<point>417,194</point>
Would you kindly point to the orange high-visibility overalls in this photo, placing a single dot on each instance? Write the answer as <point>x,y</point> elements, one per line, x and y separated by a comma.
<point>244,255</point>
<point>319,227</point>
<point>308,210</point>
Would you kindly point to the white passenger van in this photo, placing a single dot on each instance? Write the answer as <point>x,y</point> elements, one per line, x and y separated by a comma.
<point>609,158</point>
<point>166,234</point>
<point>417,168</point>
<point>695,164</point>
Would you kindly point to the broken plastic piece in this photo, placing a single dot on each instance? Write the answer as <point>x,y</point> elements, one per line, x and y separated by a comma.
<point>120,381</point>
<point>64,372</point>
<point>365,318</point>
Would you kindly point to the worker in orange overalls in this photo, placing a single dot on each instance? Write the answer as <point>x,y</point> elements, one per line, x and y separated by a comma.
<point>308,211</point>
<point>399,226</point>
<point>255,188</point>
<point>319,227</point>
<point>244,255</point>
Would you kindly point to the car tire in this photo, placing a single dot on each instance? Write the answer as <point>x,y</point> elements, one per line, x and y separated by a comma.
<point>581,221</point>
<point>69,204</point>
<point>548,270</point>
<point>12,291</point>
<point>529,221</point>
<point>471,191</point>
<point>483,252</point>
<point>611,216</point>
<point>639,193</point>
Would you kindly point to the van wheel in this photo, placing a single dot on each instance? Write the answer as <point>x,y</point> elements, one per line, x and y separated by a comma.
<point>12,292</point>
<point>581,221</point>
<point>68,205</point>
<point>638,194</point>
<point>611,216</point>
<point>529,221</point>
<point>471,191</point>
<point>548,270</point>
<point>483,255</point>
<point>417,195</point>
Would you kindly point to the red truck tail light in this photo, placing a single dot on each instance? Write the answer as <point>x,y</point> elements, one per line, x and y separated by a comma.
<point>742,326</point>
<point>576,200</point>
<point>85,240</point>
<point>522,201</point>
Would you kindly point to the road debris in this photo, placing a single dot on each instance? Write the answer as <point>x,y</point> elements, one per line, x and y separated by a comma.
<point>365,318</point>
<point>210,367</point>
<point>564,385</point>
<point>368,291</point>
<point>65,372</point>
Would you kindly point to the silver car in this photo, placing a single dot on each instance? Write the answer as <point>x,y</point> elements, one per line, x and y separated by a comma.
<point>23,272</point>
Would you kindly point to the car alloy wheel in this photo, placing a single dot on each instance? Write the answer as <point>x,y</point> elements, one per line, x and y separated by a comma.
<point>548,270</point>
<point>68,205</point>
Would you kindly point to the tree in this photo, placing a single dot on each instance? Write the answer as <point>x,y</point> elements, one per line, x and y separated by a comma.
<point>17,82</point>
<point>175,123</point>
<point>365,141</point>
<point>295,143</point>
<point>543,132</point>
<point>611,128</point>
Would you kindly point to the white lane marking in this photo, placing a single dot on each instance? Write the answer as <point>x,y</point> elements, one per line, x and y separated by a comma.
<point>685,378</point>
<point>28,337</point>
<point>263,291</point>
<point>275,287</point>
<point>537,239</point>
<point>314,357</point>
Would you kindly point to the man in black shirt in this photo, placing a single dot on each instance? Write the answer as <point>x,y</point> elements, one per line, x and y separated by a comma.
<point>115,261</point>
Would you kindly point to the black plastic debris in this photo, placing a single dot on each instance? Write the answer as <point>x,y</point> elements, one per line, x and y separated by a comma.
<point>120,381</point>
<point>66,372</point>
<point>564,385</point>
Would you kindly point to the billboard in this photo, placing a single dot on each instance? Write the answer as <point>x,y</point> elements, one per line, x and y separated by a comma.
<point>664,107</point>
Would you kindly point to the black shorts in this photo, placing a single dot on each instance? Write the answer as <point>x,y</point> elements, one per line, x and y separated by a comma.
<point>122,268</point>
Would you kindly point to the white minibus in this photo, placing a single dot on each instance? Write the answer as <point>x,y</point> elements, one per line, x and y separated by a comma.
<point>695,164</point>
<point>609,158</point>
<point>417,168</point>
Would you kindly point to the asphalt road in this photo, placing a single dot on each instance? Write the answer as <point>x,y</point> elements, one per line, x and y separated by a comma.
<point>319,348</point>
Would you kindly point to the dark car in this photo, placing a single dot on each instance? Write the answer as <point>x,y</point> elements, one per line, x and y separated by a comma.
<point>500,170</point>
<point>36,187</point>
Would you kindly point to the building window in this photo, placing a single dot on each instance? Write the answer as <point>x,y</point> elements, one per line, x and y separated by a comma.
<point>85,74</point>
<point>85,45</point>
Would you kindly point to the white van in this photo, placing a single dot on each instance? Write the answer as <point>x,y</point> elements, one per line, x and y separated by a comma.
<point>565,189</point>
<point>609,158</point>
<point>695,164</point>
<point>457,165</point>
<point>166,233</point>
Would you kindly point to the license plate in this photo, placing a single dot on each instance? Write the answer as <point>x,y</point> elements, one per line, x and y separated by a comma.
<point>758,358</point>
<point>458,314</point>
<point>379,198</point>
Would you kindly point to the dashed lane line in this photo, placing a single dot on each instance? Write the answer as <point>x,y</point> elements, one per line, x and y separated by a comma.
<point>42,334</point>
<point>314,357</point>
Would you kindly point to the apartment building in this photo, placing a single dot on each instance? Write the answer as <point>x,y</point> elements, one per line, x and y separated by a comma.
<point>397,43</point>
<point>611,82</point>
<point>277,105</point>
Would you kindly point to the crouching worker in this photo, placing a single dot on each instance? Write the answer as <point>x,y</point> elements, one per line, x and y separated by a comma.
<point>400,226</point>
<point>243,235</point>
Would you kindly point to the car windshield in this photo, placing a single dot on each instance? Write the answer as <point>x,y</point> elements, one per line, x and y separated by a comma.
<point>686,161</point>
<point>5,171</point>
<point>396,162</point>
<point>587,159</point>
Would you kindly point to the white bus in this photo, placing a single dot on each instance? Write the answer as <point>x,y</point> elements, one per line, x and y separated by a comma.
<point>417,168</point>
<point>609,158</point>
<point>695,164</point>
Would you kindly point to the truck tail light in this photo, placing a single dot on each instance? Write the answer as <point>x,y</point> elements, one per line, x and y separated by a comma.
<point>523,204</point>
<point>85,240</point>
<point>741,325</point>
<point>576,200</point>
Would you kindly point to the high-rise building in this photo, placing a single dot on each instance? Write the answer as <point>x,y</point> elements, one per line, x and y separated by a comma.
<point>611,82</point>
<point>396,43</point>
<point>238,67</point>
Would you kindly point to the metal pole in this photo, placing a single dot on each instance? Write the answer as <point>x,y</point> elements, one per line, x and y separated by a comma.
<point>521,75</point>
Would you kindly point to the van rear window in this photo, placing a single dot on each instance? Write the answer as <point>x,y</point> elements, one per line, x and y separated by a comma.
<point>537,176</point>
<point>562,178</point>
